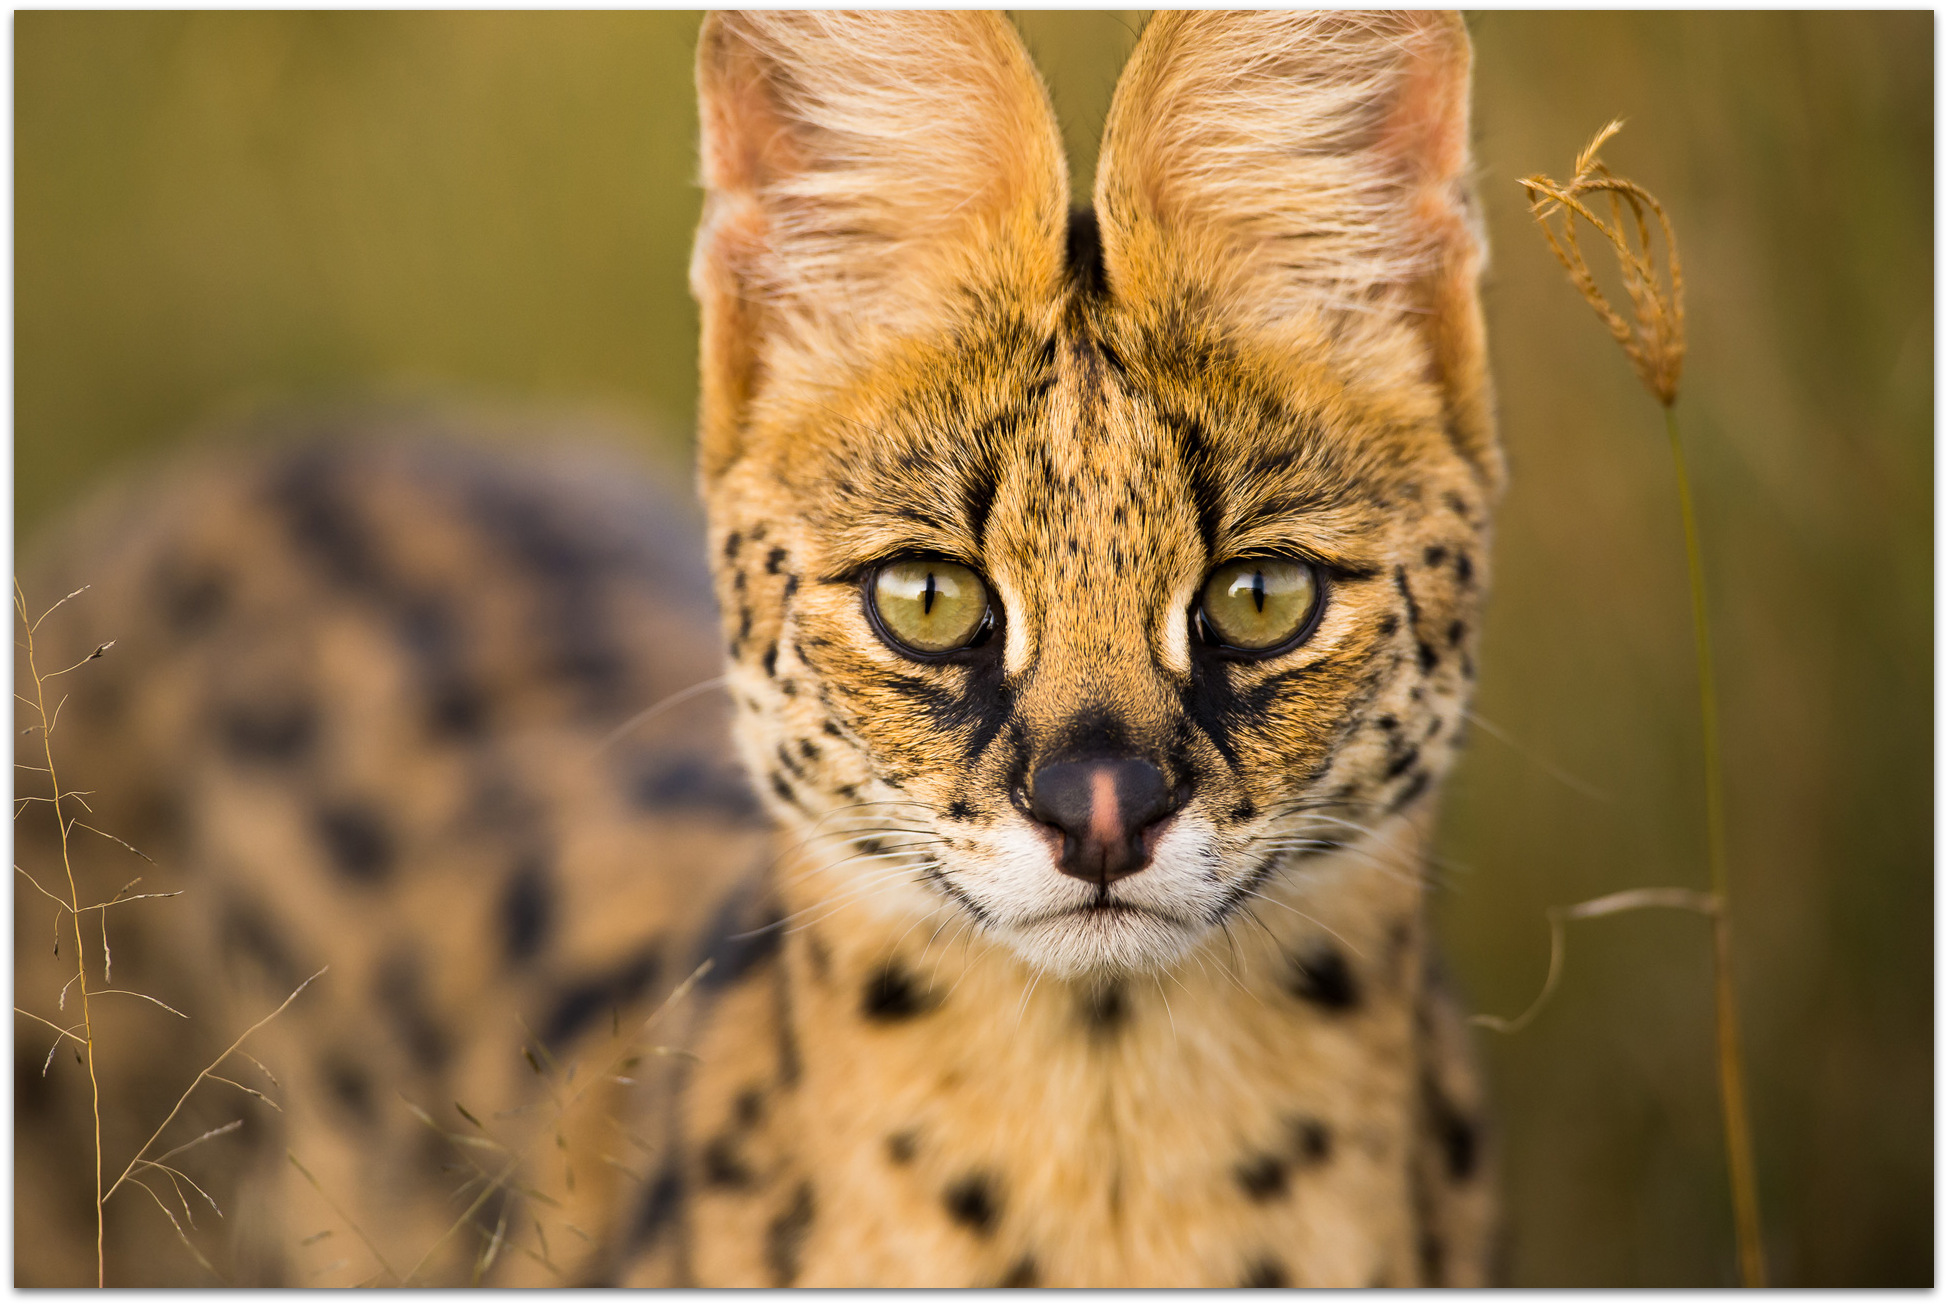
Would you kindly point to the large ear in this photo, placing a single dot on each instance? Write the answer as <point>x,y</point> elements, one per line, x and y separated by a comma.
<point>857,169</point>
<point>1299,162</point>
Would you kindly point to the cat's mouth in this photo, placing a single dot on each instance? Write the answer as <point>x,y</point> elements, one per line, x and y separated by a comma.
<point>1103,909</point>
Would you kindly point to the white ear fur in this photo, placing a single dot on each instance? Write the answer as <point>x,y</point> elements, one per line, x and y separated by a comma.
<point>1318,157</point>
<point>856,168</point>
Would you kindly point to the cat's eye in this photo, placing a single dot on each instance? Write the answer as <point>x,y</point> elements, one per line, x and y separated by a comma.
<point>1259,605</point>
<point>929,606</point>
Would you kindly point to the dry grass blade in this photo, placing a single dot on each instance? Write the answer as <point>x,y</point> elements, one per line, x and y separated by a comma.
<point>350,1223</point>
<point>1653,335</point>
<point>208,1072</point>
<point>1608,905</point>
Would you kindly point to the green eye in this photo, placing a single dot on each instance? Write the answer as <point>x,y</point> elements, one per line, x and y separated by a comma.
<point>1257,604</point>
<point>928,606</point>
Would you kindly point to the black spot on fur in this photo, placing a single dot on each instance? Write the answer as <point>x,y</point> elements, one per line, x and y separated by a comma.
<point>587,998</point>
<point>1464,567</point>
<point>1428,657</point>
<point>350,1086</point>
<point>527,908</point>
<point>275,732</point>
<point>782,787</point>
<point>774,560</point>
<point>960,810</point>
<point>456,709</point>
<point>770,661</point>
<point>356,842</point>
<point>1436,555</point>
<point>1456,632</point>
<point>1403,761</point>
<point>1262,1176</point>
<point>661,1205</point>
<point>1321,976</point>
<point>400,994</point>
<point>1415,786</point>
<point>742,936</point>
<point>1265,1272</point>
<point>192,599</point>
<point>784,1240</point>
<point>686,782</point>
<point>732,543</point>
<point>892,994</point>
<point>1022,1274</point>
<point>1244,811</point>
<point>1388,625</point>
<point>1311,1140</point>
<point>971,1201</point>
<point>245,933</point>
<point>901,1147</point>
<point>1433,1258</point>
<point>1459,1139</point>
<point>308,488</point>
<point>723,1167</point>
<point>1105,1009</point>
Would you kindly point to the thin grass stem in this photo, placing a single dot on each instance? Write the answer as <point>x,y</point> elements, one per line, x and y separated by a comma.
<point>1731,1069</point>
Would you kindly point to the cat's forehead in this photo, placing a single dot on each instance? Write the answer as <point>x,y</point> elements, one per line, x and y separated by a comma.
<point>1108,442</point>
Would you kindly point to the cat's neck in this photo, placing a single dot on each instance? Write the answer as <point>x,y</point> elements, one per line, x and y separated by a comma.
<point>1283,1041</point>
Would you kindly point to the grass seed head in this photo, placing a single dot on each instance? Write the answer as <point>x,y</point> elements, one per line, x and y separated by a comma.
<point>1653,334</point>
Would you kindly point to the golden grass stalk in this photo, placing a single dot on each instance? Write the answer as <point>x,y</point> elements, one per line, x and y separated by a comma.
<point>1653,338</point>
<point>72,909</point>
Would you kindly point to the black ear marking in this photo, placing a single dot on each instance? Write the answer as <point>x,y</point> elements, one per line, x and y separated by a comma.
<point>1085,253</point>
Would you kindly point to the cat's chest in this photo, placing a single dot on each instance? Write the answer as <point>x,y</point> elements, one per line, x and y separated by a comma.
<point>948,1121</point>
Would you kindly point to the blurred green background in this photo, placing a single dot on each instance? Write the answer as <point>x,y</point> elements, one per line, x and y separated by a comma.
<point>215,212</point>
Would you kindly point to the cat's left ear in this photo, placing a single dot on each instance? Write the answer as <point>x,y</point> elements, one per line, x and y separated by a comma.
<point>862,173</point>
<point>1291,164</point>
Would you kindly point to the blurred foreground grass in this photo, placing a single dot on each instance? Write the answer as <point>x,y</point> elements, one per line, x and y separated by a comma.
<point>217,211</point>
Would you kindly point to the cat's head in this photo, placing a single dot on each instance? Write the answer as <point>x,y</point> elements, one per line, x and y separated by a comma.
<point>1085,575</point>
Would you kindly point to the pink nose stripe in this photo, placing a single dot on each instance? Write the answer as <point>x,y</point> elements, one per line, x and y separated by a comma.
<point>1105,817</point>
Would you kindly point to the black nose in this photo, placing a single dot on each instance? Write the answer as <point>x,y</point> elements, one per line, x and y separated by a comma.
<point>1102,806</point>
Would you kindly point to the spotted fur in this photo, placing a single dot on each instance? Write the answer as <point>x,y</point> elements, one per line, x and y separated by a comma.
<point>368,690</point>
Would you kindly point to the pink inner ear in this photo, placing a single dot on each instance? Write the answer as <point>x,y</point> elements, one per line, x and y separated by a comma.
<point>1427,126</point>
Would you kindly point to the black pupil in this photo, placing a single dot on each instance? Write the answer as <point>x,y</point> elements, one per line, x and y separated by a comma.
<point>926,603</point>
<point>1258,589</point>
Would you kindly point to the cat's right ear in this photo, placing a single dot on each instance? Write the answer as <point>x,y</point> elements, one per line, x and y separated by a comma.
<point>859,171</point>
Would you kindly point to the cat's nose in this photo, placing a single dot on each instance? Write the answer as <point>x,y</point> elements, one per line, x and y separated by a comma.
<point>1103,807</point>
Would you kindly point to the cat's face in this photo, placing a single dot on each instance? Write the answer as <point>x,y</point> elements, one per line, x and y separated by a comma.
<point>1221,591</point>
<point>1085,592</point>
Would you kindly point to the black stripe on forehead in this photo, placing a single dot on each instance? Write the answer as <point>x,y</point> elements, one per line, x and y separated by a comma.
<point>1194,456</point>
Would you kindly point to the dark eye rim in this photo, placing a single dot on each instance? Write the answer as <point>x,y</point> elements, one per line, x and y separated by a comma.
<point>984,632</point>
<point>1206,633</point>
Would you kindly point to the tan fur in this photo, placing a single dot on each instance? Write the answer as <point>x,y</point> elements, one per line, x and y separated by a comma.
<point>920,1060</point>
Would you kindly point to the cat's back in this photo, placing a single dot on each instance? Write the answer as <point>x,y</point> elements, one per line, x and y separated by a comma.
<point>438,715</point>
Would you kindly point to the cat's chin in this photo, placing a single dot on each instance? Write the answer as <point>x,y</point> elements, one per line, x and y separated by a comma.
<point>1115,939</point>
